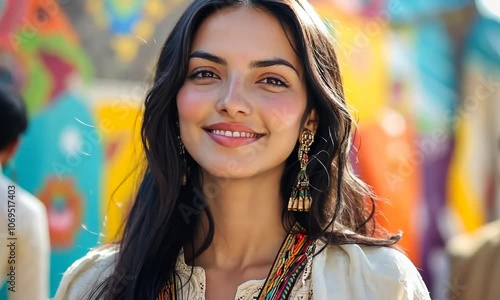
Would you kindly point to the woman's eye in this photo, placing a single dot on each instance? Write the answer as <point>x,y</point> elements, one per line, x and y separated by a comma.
<point>274,81</point>
<point>203,74</point>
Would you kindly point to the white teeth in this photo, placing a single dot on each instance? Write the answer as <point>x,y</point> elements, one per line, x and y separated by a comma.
<point>234,133</point>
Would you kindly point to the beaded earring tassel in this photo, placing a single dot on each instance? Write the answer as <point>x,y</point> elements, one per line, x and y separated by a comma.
<point>300,199</point>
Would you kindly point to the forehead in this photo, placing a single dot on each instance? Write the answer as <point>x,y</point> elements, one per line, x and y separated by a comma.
<point>245,32</point>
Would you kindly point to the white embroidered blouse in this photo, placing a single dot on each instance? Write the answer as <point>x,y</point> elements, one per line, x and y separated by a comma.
<point>339,272</point>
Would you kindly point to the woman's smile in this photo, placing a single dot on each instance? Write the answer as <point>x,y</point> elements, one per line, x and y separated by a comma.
<point>232,134</point>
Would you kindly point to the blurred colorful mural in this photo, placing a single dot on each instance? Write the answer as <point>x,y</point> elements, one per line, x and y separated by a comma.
<point>78,154</point>
<point>422,78</point>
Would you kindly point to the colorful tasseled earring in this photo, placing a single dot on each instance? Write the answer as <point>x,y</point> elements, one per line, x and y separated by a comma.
<point>300,199</point>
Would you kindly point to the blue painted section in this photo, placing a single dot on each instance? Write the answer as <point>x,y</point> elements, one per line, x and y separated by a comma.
<point>44,154</point>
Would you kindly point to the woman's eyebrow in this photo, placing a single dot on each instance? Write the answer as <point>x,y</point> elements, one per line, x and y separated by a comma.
<point>275,61</point>
<point>211,57</point>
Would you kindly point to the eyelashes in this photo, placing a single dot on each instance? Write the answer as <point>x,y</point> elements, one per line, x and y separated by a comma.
<point>270,80</point>
<point>275,81</point>
<point>202,74</point>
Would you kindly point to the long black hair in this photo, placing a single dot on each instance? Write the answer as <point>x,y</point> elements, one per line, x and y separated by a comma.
<point>165,214</point>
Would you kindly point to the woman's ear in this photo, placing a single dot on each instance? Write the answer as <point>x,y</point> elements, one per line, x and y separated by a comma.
<point>312,121</point>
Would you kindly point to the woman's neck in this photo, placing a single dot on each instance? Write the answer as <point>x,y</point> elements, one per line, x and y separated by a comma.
<point>248,222</point>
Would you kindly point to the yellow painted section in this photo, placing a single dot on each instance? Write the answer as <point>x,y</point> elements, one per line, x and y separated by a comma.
<point>119,125</point>
<point>360,45</point>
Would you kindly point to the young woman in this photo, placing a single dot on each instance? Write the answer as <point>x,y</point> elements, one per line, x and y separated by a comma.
<point>247,192</point>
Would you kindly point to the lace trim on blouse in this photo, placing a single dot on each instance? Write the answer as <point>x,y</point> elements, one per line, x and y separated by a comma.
<point>194,287</point>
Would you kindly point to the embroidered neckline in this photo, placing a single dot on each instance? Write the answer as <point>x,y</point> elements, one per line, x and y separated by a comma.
<point>295,254</point>
<point>294,257</point>
<point>182,267</point>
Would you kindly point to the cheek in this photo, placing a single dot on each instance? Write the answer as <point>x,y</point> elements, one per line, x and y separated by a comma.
<point>283,113</point>
<point>191,105</point>
<point>193,109</point>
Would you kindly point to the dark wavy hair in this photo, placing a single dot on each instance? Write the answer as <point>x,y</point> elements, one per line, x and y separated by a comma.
<point>13,114</point>
<point>166,213</point>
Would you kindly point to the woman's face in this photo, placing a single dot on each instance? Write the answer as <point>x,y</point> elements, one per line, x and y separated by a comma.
<point>241,106</point>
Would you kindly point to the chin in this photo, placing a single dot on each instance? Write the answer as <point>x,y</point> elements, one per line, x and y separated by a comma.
<point>241,170</point>
<point>231,170</point>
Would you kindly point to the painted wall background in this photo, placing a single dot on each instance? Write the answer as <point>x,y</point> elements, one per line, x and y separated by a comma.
<point>422,77</point>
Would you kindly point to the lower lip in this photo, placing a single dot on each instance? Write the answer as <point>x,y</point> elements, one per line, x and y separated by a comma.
<point>227,141</point>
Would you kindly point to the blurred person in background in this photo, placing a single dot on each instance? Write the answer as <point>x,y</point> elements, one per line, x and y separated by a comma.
<point>25,242</point>
<point>475,264</point>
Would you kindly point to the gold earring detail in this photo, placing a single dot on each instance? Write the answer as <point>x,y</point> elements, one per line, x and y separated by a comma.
<point>301,200</point>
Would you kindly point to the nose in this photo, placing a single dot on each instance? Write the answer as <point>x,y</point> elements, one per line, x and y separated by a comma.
<point>233,101</point>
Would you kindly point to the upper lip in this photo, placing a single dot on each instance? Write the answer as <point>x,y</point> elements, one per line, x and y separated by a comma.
<point>231,127</point>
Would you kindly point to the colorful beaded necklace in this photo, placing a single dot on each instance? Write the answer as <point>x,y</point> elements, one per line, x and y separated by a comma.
<point>295,252</point>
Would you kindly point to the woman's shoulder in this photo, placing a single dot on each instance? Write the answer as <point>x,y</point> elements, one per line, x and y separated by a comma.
<point>87,272</point>
<point>367,272</point>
